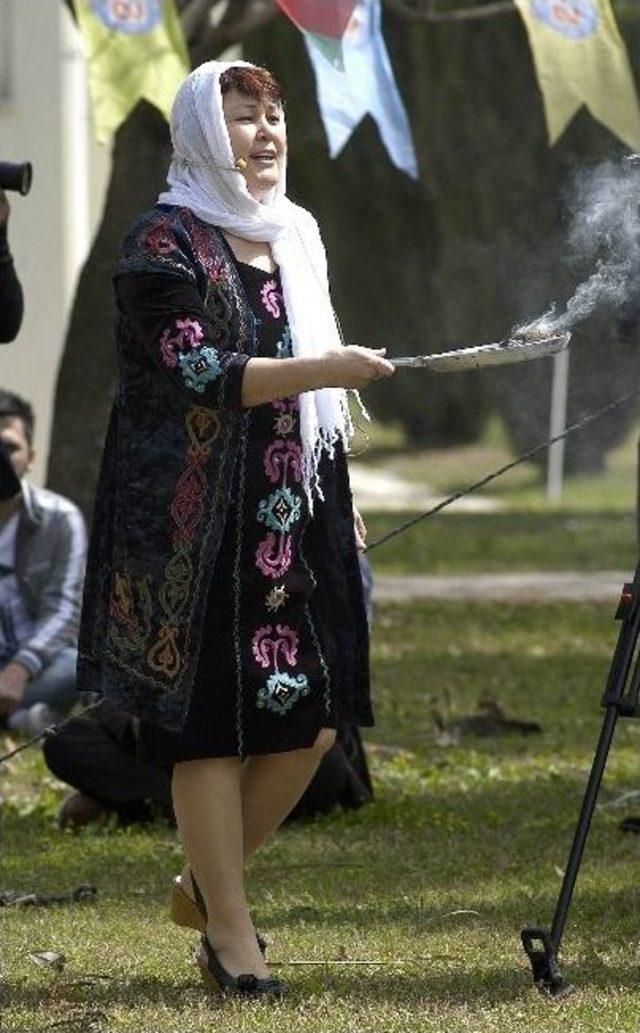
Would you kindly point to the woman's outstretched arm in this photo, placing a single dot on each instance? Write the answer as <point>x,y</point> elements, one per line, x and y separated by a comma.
<point>264,380</point>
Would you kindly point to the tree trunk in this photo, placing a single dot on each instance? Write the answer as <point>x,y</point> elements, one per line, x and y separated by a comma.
<point>141,154</point>
<point>87,372</point>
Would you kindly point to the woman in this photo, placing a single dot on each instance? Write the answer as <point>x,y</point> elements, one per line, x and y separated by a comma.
<point>223,602</point>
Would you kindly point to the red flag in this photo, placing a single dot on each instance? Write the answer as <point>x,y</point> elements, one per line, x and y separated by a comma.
<point>326,17</point>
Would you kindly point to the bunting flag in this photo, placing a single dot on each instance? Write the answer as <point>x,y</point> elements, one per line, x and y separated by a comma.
<point>580,58</point>
<point>135,49</point>
<point>323,23</point>
<point>365,86</point>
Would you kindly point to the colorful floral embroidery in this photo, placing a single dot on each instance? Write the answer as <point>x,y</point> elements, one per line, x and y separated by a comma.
<point>147,627</point>
<point>282,691</point>
<point>185,333</point>
<point>282,461</point>
<point>214,265</point>
<point>280,510</point>
<point>200,368</point>
<point>284,424</point>
<point>131,609</point>
<point>159,238</point>
<point>218,269</point>
<point>273,555</point>
<point>276,598</point>
<point>289,404</point>
<point>121,605</point>
<point>282,457</point>
<point>272,298</point>
<point>266,648</point>
<point>187,509</point>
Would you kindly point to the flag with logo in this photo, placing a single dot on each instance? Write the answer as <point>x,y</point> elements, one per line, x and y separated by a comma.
<point>135,49</point>
<point>323,23</point>
<point>580,58</point>
<point>365,86</point>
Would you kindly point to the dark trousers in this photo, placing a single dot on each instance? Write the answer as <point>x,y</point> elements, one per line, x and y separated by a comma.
<point>97,755</point>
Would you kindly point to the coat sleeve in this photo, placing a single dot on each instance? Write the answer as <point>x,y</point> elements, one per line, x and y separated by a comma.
<point>58,614</point>
<point>159,293</point>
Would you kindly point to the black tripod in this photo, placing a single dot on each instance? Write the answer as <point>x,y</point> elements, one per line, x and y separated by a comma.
<point>621,699</point>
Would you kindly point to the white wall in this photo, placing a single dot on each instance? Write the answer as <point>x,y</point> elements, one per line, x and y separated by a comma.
<point>45,120</point>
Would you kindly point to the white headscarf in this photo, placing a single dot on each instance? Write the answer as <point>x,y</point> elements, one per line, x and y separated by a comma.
<point>202,178</point>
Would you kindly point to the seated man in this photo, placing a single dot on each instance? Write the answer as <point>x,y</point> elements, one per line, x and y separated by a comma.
<point>42,557</point>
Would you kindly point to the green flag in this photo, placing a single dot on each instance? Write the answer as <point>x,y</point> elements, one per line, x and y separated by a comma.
<point>136,49</point>
<point>580,58</point>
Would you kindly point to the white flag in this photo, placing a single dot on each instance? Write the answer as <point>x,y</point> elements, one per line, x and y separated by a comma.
<point>366,86</point>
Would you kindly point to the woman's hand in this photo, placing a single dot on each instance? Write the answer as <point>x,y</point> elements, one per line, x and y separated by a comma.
<point>355,367</point>
<point>13,681</point>
<point>360,529</point>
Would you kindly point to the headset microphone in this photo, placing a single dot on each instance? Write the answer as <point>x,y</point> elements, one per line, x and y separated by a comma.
<point>239,164</point>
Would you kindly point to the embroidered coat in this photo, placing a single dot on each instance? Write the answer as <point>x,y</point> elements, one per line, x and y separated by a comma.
<point>167,467</point>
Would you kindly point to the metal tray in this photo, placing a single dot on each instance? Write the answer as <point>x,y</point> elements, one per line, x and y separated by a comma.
<point>498,354</point>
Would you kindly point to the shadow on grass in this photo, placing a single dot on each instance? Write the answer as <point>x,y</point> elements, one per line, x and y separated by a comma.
<point>76,992</point>
<point>458,841</point>
<point>596,912</point>
<point>500,984</point>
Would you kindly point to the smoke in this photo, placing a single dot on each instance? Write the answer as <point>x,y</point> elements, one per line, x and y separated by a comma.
<point>604,232</point>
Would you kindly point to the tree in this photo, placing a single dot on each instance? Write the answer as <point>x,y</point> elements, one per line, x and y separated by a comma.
<point>478,245</point>
<point>455,259</point>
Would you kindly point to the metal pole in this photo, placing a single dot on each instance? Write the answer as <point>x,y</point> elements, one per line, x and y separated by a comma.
<point>541,945</point>
<point>557,422</point>
<point>75,133</point>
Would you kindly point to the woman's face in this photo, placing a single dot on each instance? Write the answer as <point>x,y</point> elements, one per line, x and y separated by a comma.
<point>258,135</point>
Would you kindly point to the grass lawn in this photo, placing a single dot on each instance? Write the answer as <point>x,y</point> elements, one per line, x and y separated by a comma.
<point>402,916</point>
<point>464,543</point>
<point>592,528</point>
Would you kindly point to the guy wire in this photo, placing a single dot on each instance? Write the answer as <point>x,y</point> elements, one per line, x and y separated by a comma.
<point>50,730</point>
<point>498,473</point>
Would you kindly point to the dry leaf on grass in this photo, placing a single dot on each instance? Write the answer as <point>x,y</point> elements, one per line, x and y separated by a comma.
<point>48,959</point>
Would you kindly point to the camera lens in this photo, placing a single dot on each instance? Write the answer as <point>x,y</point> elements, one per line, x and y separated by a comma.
<point>16,176</point>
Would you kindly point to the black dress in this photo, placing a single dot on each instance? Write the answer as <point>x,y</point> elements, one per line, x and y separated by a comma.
<point>282,641</point>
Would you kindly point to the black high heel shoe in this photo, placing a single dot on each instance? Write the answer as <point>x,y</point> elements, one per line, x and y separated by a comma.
<point>192,914</point>
<point>215,977</point>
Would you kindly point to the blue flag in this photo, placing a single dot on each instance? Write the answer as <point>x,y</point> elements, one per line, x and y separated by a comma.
<point>366,86</point>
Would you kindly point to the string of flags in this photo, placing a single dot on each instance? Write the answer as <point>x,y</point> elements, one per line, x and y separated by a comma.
<point>323,24</point>
<point>364,85</point>
<point>136,49</point>
<point>580,58</point>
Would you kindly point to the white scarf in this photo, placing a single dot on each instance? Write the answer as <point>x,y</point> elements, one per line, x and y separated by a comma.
<point>202,178</point>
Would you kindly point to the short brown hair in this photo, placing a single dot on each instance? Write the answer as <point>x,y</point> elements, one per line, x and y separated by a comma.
<point>258,83</point>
